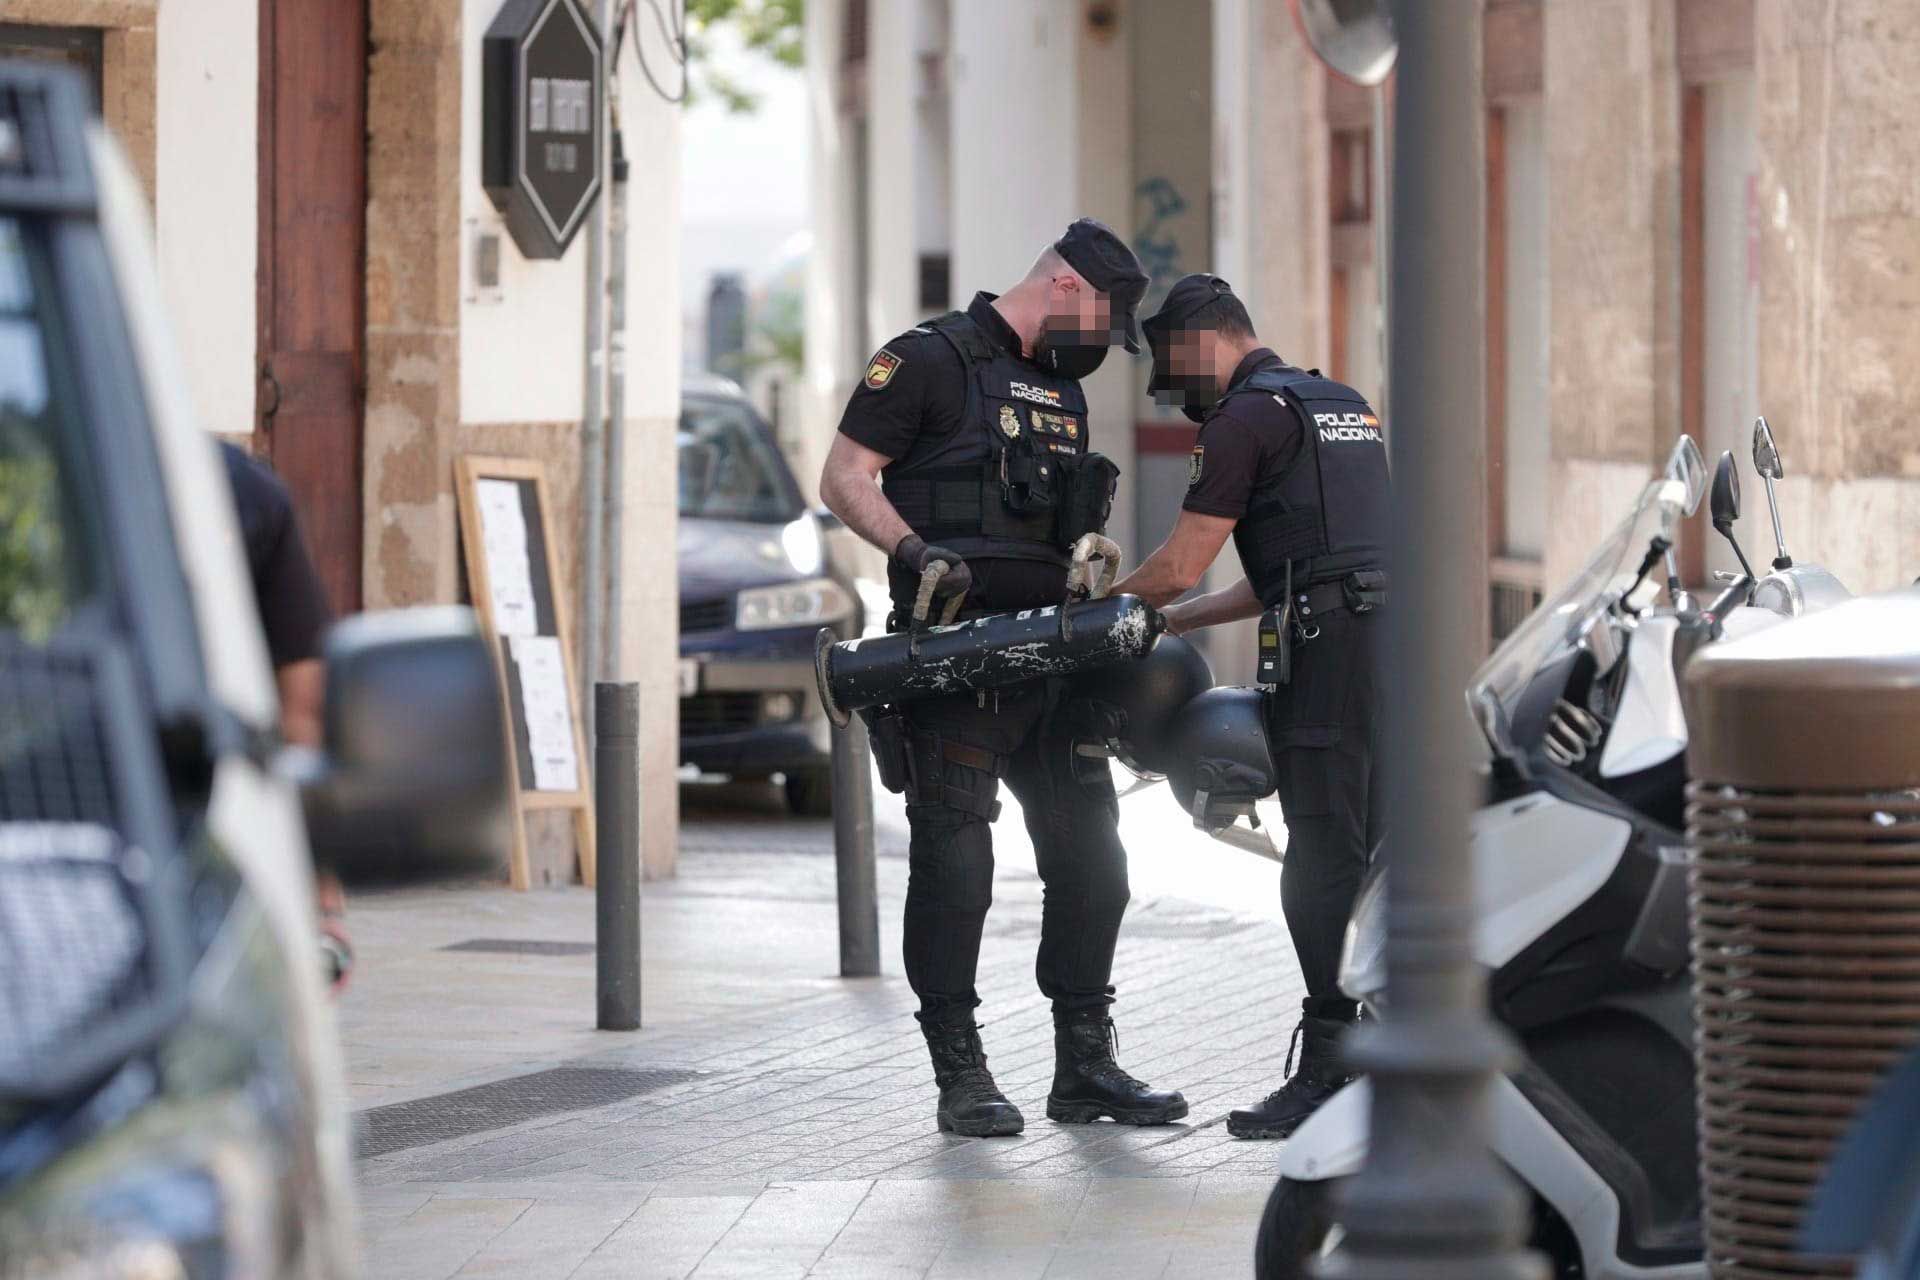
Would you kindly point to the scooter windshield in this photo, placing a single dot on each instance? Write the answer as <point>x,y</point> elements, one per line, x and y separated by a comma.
<point>1560,623</point>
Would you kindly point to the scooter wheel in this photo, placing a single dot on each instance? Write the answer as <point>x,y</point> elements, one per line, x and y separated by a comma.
<point>1296,1228</point>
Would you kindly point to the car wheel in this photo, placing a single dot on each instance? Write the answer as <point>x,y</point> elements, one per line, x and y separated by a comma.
<point>810,793</point>
<point>1296,1228</point>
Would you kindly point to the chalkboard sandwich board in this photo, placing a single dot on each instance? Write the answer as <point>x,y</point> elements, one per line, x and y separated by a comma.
<point>506,532</point>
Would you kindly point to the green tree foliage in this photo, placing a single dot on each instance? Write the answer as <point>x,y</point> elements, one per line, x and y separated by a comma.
<point>772,28</point>
<point>35,586</point>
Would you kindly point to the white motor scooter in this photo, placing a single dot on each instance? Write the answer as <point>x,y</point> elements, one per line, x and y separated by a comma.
<point>1580,879</point>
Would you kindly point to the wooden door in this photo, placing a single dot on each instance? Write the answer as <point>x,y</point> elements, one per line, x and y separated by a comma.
<point>312,270</point>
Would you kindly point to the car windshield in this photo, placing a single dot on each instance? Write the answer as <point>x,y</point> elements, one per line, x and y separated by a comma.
<point>42,569</point>
<point>729,469</point>
<point>1561,621</point>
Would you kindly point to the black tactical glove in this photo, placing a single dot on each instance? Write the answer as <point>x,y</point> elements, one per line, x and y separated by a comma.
<point>914,553</point>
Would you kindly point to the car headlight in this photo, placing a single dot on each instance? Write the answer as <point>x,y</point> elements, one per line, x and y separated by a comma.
<point>812,602</point>
<point>801,541</point>
<point>1363,954</point>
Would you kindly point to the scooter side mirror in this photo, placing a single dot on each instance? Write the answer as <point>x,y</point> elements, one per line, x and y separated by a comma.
<point>1766,458</point>
<point>1724,501</point>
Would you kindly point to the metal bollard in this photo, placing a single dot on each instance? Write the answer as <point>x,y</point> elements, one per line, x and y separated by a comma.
<point>854,870</point>
<point>616,898</point>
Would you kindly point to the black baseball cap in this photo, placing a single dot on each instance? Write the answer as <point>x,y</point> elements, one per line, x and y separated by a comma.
<point>1188,295</point>
<point>1102,258</point>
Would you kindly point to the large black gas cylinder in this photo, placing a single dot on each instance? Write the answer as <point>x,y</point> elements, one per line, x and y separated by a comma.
<point>984,653</point>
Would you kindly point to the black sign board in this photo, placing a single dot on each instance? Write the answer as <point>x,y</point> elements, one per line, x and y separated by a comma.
<point>543,87</point>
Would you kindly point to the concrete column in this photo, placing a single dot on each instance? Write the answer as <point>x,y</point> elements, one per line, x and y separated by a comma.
<point>1015,133</point>
<point>1104,187</point>
<point>835,349</point>
<point>650,600</point>
<point>1270,207</point>
<point>1613,247</point>
<point>1838,220</point>
<point>207,210</point>
<point>414,153</point>
<point>1284,196</point>
<point>893,85</point>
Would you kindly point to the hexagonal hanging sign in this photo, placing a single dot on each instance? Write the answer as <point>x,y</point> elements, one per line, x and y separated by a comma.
<point>543,91</point>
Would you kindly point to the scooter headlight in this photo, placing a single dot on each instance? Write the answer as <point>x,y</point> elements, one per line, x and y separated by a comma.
<point>1363,955</point>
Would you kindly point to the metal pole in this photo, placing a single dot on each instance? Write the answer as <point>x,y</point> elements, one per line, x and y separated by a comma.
<point>616,894</point>
<point>1382,245</point>
<point>616,386</point>
<point>1431,1202</point>
<point>593,446</point>
<point>853,864</point>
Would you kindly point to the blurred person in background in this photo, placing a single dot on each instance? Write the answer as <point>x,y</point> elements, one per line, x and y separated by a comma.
<point>294,616</point>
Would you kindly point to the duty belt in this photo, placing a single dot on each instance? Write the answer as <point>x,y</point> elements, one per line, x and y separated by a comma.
<point>1310,604</point>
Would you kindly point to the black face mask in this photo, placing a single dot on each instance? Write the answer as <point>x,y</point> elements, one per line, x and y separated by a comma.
<point>1071,353</point>
<point>1192,393</point>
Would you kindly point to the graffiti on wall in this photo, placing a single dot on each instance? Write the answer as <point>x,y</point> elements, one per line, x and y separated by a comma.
<point>1157,203</point>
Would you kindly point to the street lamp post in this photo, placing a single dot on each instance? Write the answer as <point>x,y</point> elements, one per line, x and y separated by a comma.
<point>1431,1202</point>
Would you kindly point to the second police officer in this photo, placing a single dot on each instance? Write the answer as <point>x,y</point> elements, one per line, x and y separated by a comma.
<point>1293,467</point>
<point>966,446</point>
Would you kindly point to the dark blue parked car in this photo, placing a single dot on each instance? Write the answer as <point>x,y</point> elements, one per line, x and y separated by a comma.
<point>754,588</point>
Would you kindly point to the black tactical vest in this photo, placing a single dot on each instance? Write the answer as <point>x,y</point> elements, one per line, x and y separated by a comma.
<point>1330,513</point>
<point>1015,480</point>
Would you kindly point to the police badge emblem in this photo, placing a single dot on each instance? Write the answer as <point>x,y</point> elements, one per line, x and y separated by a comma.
<point>1009,422</point>
<point>881,368</point>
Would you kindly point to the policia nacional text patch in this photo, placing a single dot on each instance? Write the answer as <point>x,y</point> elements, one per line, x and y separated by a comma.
<point>880,369</point>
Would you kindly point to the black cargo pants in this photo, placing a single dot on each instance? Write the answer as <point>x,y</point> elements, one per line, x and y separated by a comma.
<point>960,751</point>
<point>1325,729</point>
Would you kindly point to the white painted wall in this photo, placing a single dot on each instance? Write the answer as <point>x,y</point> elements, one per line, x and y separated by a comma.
<point>206,217</point>
<point>1104,181</point>
<point>893,81</point>
<point>1529,426</point>
<point>1015,135</point>
<point>520,357</point>
<point>652,128</point>
<point>834,346</point>
<point>648,651</point>
<point>933,133</point>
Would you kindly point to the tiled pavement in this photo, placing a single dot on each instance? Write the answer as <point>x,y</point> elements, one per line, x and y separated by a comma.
<point>805,1144</point>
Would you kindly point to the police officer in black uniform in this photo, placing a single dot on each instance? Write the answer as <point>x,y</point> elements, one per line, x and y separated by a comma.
<point>966,450</point>
<point>1293,467</point>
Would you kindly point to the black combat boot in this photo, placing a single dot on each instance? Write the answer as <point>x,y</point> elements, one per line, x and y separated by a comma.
<point>1088,1083</point>
<point>971,1104</point>
<point>1321,1075</point>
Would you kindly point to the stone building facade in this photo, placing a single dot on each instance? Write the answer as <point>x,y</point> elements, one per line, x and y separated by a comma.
<point>1698,211</point>
<point>314,168</point>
